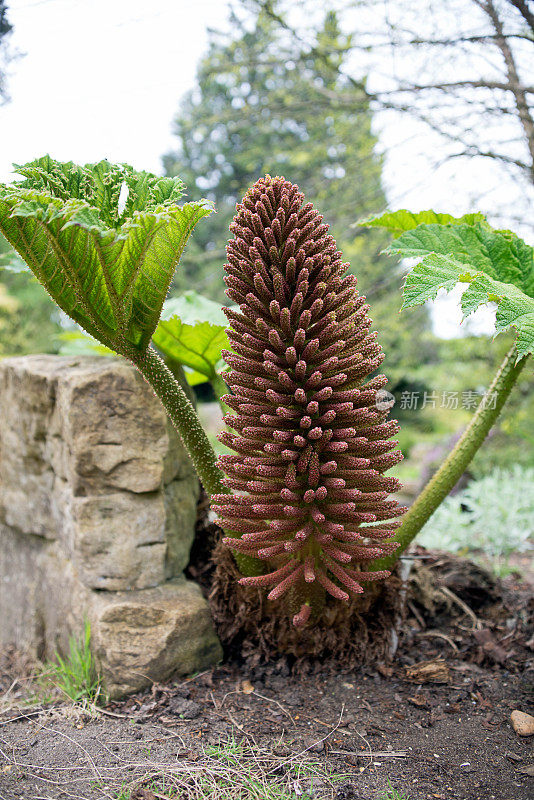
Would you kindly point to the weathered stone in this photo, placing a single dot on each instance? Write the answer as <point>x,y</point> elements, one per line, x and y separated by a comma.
<point>40,595</point>
<point>20,619</point>
<point>118,540</point>
<point>27,400</point>
<point>138,637</point>
<point>89,457</point>
<point>116,429</point>
<point>522,723</point>
<point>150,635</point>
<point>179,533</point>
<point>97,516</point>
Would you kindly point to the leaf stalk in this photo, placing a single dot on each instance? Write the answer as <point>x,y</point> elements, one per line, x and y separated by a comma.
<point>182,415</point>
<point>458,459</point>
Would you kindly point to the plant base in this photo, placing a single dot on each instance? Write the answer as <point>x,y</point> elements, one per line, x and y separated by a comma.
<point>363,631</point>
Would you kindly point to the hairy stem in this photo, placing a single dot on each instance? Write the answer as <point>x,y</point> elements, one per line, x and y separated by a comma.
<point>183,416</point>
<point>179,373</point>
<point>458,459</point>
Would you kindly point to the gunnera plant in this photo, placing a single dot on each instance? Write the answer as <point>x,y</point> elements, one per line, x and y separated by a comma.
<point>311,442</point>
<point>304,500</point>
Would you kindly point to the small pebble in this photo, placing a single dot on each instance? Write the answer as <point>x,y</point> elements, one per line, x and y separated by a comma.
<point>523,724</point>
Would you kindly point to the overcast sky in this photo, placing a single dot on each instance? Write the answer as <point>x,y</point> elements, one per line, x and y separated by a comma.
<point>102,79</point>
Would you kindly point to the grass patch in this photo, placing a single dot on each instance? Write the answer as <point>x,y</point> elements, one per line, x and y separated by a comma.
<point>76,675</point>
<point>393,794</point>
<point>238,770</point>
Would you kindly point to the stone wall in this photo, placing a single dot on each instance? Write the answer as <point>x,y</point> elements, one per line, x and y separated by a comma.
<point>97,513</point>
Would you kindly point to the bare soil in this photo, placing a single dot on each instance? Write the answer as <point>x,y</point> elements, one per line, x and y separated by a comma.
<point>434,723</point>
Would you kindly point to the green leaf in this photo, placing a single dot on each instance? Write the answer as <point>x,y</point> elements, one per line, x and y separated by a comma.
<point>192,331</point>
<point>103,239</point>
<point>515,308</point>
<point>193,377</point>
<point>500,254</point>
<point>79,343</point>
<point>497,265</point>
<point>397,222</point>
<point>192,307</point>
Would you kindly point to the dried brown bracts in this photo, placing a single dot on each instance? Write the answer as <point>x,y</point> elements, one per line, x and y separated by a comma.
<point>309,494</point>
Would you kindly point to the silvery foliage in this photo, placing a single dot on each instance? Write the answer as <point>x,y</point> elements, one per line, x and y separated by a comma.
<point>494,514</point>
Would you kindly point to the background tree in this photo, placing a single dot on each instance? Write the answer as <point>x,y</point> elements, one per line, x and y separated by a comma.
<point>5,30</point>
<point>29,319</point>
<point>263,105</point>
<point>461,72</point>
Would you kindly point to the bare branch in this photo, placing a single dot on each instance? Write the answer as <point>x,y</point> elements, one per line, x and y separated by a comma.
<point>467,84</point>
<point>525,12</point>
<point>513,78</point>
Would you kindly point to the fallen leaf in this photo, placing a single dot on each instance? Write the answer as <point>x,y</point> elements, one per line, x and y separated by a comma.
<point>482,700</point>
<point>435,671</point>
<point>142,794</point>
<point>385,670</point>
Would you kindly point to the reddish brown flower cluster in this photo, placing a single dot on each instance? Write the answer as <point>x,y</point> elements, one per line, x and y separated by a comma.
<point>311,444</point>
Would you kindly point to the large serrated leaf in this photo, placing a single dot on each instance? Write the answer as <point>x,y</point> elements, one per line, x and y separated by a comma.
<point>514,307</point>
<point>192,331</point>
<point>103,240</point>
<point>397,222</point>
<point>497,265</point>
<point>500,254</point>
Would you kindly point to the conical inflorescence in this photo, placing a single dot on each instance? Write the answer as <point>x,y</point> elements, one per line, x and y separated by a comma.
<point>311,443</point>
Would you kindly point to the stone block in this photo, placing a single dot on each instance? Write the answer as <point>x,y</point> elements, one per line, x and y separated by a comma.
<point>152,634</point>
<point>97,516</point>
<point>90,458</point>
<point>115,427</point>
<point>137,637</point>
<point>180,509</point>
<point>118,540</point>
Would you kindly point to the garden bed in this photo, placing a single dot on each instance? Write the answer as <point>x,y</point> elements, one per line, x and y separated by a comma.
<point>248,729</point>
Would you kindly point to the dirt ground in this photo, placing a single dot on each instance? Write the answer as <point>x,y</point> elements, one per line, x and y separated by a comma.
<point>429,730</point>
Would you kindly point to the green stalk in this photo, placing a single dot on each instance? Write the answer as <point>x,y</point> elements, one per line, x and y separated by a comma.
<point>178,372</point>
<point>184,418</point>
<point>458,459</point>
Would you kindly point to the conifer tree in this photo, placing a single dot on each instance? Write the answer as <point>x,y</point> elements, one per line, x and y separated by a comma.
<point>259,107</point>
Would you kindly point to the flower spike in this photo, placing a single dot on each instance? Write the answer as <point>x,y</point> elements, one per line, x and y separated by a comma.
<point>311,442</point>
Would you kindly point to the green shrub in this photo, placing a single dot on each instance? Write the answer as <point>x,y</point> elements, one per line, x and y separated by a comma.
<point>494,514</point>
